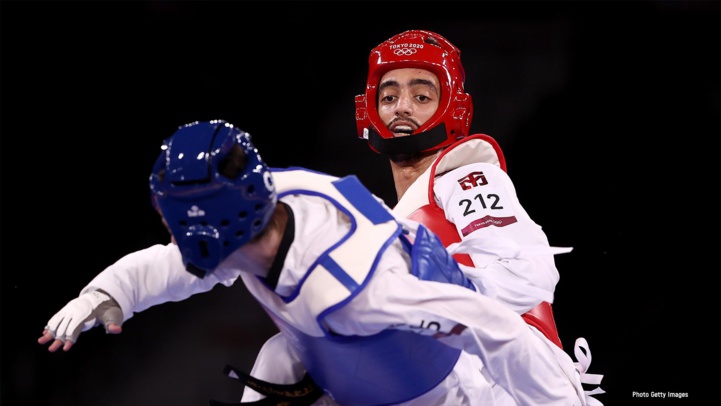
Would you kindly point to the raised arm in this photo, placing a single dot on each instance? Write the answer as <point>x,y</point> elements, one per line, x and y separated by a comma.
<point>135,282</point>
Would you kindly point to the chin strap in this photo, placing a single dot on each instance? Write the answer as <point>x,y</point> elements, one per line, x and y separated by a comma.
<point>302,393</point>
<point>407,145</point>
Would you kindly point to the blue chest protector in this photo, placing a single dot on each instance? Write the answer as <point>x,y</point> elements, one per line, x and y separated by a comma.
<point>383,369</point>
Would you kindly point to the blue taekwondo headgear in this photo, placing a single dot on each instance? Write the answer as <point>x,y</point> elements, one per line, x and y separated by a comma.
<point>210,215</point>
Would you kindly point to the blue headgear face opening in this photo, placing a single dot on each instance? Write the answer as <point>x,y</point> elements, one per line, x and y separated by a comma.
<point>209,214</point>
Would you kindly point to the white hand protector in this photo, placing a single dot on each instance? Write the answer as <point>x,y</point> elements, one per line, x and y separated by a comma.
<point>83,313</point>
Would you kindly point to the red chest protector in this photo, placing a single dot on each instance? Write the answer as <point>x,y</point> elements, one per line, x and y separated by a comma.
<point>430,215</point>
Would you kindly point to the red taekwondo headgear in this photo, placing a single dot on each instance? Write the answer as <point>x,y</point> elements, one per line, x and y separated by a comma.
<point>425,50</point>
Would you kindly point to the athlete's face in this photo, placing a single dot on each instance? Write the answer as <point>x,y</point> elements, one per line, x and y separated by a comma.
<point>407,98</point>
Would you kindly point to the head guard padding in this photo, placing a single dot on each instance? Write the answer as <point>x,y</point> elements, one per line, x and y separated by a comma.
<point>211,215</point>
<point>416,49</point>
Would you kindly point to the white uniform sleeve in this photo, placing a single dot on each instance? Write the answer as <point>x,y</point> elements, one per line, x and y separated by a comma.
<point>510,251</point>
<point>152,276</point>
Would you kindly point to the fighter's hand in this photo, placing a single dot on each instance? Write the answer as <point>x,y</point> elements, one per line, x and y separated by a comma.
<point>81,314</point>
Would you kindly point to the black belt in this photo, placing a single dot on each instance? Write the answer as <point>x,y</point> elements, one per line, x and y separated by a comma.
<point>302,393</point>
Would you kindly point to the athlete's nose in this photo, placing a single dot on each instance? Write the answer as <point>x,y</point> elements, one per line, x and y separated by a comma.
<point>404,107</point>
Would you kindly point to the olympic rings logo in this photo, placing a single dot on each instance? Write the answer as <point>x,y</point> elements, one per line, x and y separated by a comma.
<point>405,51</point>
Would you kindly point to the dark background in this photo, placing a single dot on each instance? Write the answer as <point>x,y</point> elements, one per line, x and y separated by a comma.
<point>606,112</point>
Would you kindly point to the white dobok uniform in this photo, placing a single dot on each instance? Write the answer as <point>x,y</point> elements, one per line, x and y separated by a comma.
<point>355,274</point>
